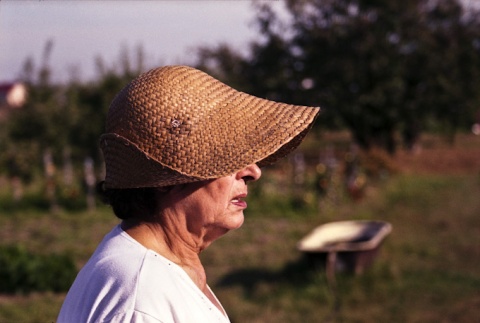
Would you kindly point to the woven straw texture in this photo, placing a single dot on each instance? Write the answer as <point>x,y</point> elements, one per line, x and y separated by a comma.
<point>177,124</point>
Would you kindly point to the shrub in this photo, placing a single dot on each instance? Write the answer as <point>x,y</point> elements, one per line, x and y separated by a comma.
<point>22,271</point>
<point>378,163</point>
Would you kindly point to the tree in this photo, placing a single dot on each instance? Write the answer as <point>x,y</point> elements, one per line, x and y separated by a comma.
<point>92,100</point>
<point>35,128</point>
<point>377,67</point>
<point>454,67</point>
<point>61,118</point>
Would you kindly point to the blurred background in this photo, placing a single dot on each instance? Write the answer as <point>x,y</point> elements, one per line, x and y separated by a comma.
<point>398,141</point>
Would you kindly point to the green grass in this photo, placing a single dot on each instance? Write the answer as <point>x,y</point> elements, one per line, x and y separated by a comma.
<point>427,271</point>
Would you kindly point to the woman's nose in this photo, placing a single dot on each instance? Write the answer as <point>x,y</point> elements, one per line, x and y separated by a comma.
<point>250,173</point>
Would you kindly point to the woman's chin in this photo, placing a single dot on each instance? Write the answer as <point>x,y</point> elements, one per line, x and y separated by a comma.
<point>233,222</point>
<point>237,223</point>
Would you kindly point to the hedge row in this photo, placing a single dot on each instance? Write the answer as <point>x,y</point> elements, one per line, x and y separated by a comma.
<point>22,271</point>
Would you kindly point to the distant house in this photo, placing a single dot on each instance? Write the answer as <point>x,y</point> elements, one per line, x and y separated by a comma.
<point>12,96</point>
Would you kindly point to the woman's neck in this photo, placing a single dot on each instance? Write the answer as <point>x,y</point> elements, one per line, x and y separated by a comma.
<point>170,245</point>
<point>174,245</point>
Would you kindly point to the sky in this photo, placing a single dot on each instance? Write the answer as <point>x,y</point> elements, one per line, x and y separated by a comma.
<point>81,30</point>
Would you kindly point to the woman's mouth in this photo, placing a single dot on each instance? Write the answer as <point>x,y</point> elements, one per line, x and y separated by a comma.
<point>238,201</point>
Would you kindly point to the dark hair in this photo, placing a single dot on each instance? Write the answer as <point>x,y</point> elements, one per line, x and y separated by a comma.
<point>129,202</point>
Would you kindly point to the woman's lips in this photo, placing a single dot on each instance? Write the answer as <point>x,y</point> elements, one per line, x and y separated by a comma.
<point>238,201</point>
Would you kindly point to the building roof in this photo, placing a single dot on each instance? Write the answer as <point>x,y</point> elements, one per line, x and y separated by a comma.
<point>12,95</point>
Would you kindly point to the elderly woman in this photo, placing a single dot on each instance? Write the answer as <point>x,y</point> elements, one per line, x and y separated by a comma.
<point>180,148</point>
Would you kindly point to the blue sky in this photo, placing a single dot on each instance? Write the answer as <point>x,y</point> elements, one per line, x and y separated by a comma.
<point>82,30</point>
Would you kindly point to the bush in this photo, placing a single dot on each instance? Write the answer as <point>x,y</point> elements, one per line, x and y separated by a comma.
<point>378,163</point>
<point>22,271</point>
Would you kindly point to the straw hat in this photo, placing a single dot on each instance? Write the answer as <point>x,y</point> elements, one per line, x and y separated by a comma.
<point>176,124</point>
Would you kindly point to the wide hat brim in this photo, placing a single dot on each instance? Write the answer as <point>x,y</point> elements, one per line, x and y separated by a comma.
<point>176,124</point>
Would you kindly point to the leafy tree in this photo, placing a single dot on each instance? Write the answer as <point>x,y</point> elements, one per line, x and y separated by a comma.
<point>377,67</point>
<point>454,66</point>
<point>59,118</point>
<point>92,100</point>
<point>30,131</point>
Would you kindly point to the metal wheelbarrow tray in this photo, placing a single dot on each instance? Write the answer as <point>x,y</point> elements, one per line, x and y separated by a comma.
<point>345,245</point>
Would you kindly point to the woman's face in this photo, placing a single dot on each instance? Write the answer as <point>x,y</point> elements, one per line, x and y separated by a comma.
<point>213,207</point>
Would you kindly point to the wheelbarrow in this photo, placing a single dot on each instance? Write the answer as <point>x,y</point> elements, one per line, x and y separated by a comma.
<point>350,246</point>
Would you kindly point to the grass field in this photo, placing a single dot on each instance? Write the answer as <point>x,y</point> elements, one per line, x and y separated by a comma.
<point>428,269</point>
